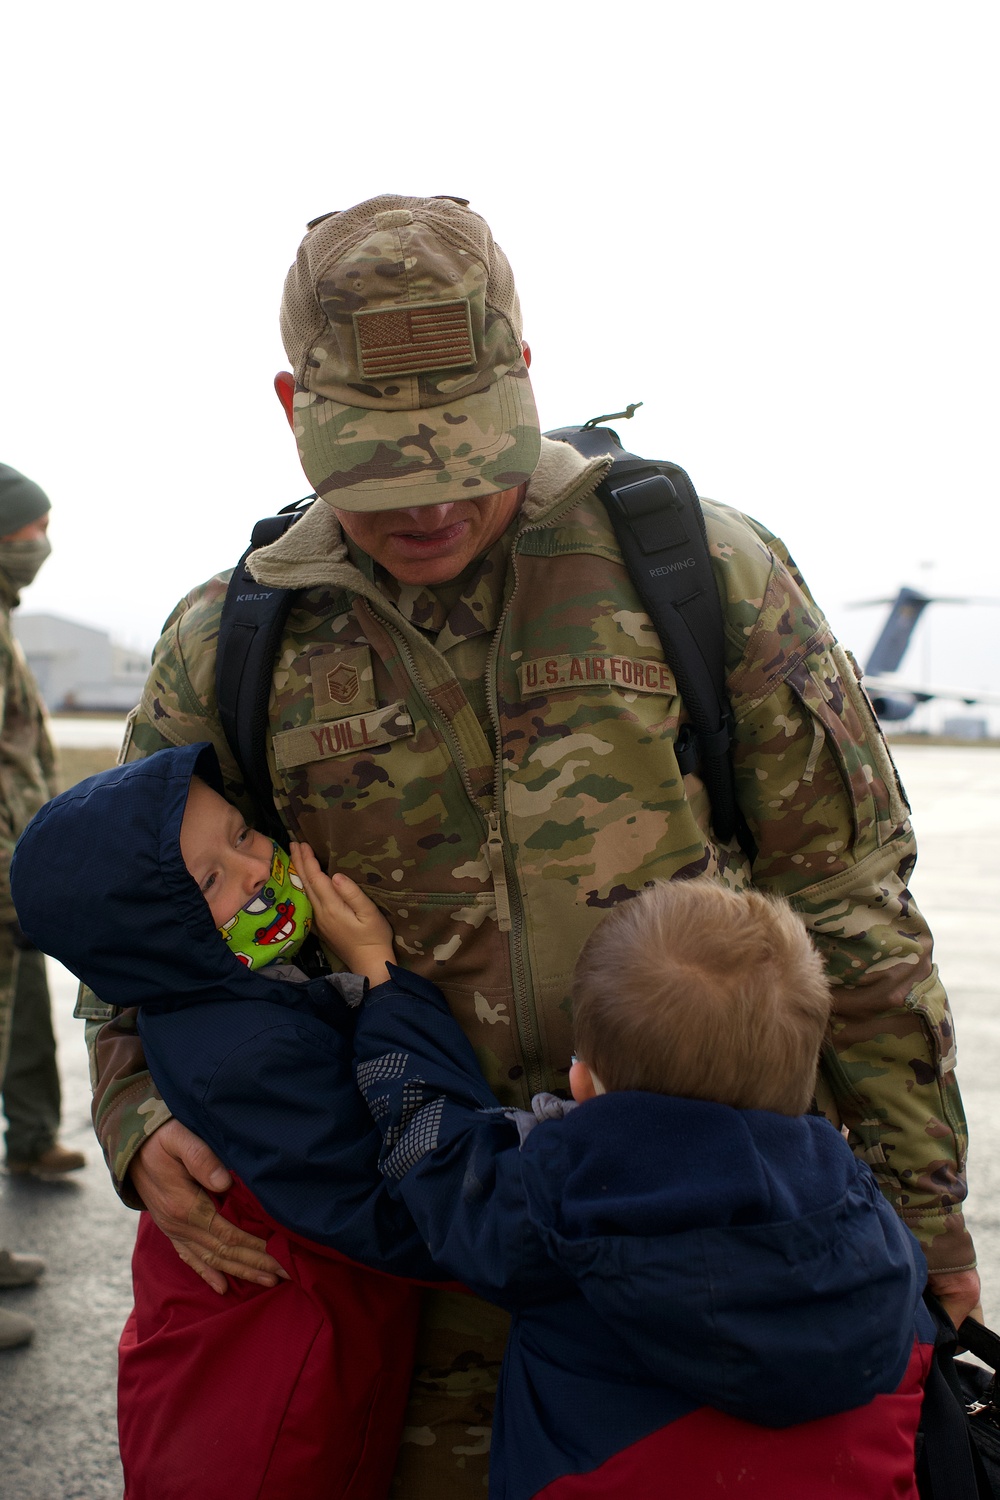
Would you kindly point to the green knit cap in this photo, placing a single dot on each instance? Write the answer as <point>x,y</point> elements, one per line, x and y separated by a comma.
<point>21,500</point>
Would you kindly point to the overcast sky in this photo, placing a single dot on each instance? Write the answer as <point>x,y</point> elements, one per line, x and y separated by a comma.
<point>775,224</point>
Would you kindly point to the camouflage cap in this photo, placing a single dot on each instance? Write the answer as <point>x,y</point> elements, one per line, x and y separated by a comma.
<point>403,327</point>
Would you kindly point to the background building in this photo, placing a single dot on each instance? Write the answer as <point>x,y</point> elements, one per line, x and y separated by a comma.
<point>79,669</point>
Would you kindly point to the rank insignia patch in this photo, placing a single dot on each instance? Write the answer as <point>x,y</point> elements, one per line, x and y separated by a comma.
<point>343,683</point>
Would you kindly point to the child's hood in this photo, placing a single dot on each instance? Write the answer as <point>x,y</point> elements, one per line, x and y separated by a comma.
<point>98,882</point>
<point>762,1251</point>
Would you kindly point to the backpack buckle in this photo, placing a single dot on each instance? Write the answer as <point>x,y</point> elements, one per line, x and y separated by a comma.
<point>654,512</point>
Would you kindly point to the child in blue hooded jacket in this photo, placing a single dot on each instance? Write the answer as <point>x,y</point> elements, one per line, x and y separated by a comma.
<point>710,1295</point>
<point>151,888</point>
<point>708,1290</point>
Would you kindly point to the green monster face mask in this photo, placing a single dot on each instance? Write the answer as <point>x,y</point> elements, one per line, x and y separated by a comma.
<point>274,923</point>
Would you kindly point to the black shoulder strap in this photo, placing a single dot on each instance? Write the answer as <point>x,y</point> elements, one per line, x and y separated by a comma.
<point>660,527</point>
<point>253,618</point>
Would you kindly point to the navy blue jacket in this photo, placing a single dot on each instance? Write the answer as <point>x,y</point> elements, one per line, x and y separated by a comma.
<point>259,1067</point>
<point>660,1256</point>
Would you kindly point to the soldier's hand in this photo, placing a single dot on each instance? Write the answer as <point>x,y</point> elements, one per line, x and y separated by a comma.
<point>958,1292</point>
<point>170,1173</point>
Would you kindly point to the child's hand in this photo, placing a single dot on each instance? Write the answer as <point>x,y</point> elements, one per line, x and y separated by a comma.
<point>345,918</point>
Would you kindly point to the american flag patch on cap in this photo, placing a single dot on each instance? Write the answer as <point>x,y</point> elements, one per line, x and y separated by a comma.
<point>414,338</point>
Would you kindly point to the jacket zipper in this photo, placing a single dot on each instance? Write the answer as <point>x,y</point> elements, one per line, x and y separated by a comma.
<point>527,1030</point>
<point>495,855</point>
<point>494,836</point>
<point>524,999</point>
<point>434,713</point>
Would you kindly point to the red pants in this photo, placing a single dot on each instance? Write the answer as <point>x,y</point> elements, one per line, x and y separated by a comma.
<point>293,1392</point>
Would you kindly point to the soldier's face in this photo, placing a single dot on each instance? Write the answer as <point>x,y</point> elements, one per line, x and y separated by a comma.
<point>432,543</point>
<point>33,532</point>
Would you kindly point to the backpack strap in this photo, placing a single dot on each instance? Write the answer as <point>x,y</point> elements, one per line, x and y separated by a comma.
<point>250,629</point>
<point>660,527</point>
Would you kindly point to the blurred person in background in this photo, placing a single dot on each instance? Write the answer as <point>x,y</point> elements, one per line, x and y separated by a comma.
<point>30,1078</point>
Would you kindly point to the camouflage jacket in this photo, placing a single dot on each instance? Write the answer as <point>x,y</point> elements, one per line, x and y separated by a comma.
<point>27,762</point>
<point>498,778</point>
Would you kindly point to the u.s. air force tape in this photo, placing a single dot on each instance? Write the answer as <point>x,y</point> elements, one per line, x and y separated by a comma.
<point>638,674</point>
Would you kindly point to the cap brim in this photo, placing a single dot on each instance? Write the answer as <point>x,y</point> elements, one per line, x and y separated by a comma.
<point>361,459</point>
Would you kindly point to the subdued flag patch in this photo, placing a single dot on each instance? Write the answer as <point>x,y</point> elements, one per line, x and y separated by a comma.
<point>414,339</point>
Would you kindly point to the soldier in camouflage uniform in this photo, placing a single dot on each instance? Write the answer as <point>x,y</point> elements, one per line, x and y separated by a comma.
<point>28,1072</point>
<point>472,716</point>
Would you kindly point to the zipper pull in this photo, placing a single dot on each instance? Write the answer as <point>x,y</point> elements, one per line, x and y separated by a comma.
<point>494,853</point>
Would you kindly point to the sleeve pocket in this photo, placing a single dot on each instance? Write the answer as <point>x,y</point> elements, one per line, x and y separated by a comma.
<point>828,689</point>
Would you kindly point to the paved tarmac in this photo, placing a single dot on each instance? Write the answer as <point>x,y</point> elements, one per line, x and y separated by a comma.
<point>955,797</point>
<point>57,1422</point>
<point>58,1439</point>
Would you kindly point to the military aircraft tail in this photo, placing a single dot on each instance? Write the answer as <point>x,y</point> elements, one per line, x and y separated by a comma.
<point>907,607</point>
<point>892,699</point>
<point>890,648</point>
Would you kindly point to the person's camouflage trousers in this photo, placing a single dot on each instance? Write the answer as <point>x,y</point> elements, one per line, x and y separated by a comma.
<point>8,985</point>
<point>445,1450</point>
